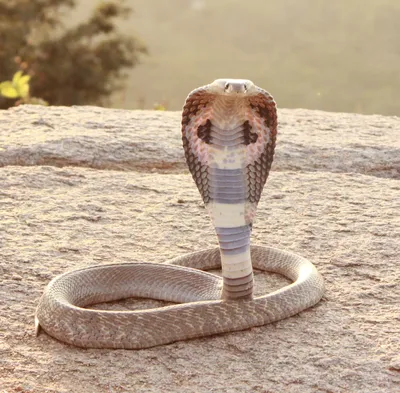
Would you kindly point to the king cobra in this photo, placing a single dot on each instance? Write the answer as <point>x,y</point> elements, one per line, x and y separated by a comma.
<point>228,130</point>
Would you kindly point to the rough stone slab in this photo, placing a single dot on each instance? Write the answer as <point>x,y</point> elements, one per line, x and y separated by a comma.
<point>55,219</point>
<point>333,196</point>
<point>125,140</point>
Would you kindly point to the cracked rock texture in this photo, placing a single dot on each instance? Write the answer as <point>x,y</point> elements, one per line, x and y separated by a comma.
<point>81,186</point>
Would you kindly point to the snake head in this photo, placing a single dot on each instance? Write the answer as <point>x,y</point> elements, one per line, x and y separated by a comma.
<point>228,129</point>
<point>240,87</point>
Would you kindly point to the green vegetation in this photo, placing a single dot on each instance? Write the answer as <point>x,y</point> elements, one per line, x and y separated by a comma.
<point>18,88</point>
<point>330,55</point>
<point>82,64</point>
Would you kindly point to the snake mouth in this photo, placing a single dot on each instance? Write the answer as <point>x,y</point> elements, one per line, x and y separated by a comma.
<point>238,88</point>
<point>233,87</point>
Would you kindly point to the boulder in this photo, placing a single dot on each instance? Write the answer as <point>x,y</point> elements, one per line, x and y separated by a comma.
<point>83,186</point>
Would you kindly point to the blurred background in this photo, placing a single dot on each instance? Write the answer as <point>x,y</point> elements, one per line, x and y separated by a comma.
<point>341,55</point>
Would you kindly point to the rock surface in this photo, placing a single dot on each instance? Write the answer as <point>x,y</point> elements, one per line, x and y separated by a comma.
<point>82,186</point>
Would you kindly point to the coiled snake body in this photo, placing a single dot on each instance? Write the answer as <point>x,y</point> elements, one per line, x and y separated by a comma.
<point>228,132</point>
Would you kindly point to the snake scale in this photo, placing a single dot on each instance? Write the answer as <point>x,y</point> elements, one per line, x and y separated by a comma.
<point>228,131</point>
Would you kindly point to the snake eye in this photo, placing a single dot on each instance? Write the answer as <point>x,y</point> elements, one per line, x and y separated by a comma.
<point>227,86</point>
<point>245,88</point>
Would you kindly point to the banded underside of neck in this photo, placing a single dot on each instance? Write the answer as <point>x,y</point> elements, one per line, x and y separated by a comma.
<point>228,210</point>
<point>237,270</point>
<point>228,203</point>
